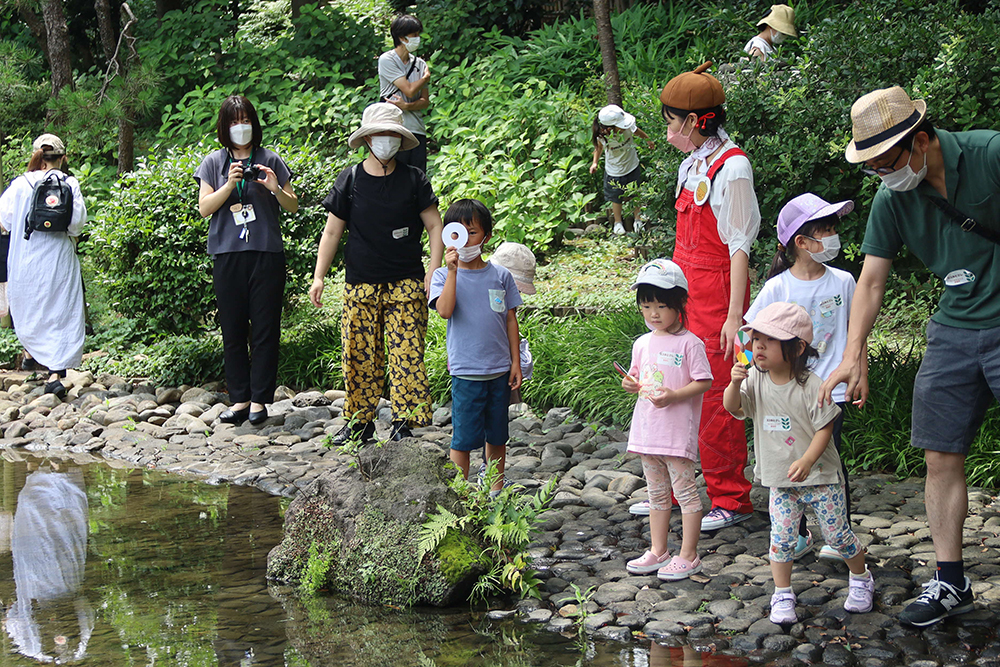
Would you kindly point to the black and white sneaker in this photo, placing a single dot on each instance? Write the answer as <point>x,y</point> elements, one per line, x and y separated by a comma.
<point>939,599</point>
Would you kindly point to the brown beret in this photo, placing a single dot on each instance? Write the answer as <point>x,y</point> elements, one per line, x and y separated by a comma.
<point>693,90</point>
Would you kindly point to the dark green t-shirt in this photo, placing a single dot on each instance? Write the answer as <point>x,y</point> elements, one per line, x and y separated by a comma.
<point>968,264</point>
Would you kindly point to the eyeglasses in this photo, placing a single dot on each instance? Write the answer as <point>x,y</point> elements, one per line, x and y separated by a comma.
<point>877,171</point>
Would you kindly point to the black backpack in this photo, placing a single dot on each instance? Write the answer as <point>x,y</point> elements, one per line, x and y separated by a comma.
<point>51,205</point>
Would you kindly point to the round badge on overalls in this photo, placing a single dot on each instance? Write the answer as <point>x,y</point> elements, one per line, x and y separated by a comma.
<point>702,188</point>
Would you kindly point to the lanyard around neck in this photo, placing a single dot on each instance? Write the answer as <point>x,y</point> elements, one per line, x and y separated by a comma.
<point>242,184</point>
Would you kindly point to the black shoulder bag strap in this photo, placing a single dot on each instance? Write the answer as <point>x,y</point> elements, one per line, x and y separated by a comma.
<point>965,222</point>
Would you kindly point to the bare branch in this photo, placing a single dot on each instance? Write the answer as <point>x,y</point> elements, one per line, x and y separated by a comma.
<point>115,64</point>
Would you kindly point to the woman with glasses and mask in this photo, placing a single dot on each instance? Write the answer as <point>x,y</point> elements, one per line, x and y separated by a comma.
<point>243,187</point>
<point>384,206</point>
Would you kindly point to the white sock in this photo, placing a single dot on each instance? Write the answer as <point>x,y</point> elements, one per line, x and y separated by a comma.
<point>864,576</point>
<point>782,590</point>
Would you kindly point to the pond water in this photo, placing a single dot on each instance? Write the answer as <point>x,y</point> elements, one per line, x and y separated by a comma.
<point>108,566</point>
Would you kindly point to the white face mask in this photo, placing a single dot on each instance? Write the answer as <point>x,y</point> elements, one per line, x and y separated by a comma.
<point>241,134</point>
<point>905,179</point>
<point>469,253</point>
<point>411,44</point>
<point>831,246</point>
<point>384,148</point>
<point>777,37</point>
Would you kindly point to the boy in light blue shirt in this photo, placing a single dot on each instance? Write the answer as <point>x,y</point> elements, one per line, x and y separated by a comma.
<point>478,299</point>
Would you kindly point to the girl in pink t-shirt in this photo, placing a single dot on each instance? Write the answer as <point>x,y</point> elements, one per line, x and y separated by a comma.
<point>669,372</point>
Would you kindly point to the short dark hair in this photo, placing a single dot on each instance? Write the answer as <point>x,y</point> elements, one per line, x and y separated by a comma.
<point>404,25</point>
<point>709,120</point>
<point>924,125</point>
<point>234,107</point>
<point>675,298</point>
<point>469,210</point>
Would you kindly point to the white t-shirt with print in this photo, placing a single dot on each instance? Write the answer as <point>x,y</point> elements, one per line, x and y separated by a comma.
<point>620,156</point>
<point>828,302</point>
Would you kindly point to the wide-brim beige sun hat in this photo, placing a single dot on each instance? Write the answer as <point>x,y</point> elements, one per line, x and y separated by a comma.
<point>383,117</point>
<point>880,119</point>
<point>782,19</point>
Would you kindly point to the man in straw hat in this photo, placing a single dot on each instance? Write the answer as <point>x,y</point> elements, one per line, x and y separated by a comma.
<point>940,199</point>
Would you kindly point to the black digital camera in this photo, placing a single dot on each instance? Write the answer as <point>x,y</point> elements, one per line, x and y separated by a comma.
<point>253,172</point>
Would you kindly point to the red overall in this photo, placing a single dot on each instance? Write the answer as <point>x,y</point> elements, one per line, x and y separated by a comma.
<point>705,260</point>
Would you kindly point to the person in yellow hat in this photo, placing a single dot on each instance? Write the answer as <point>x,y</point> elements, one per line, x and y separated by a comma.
<point>939,198</point>
<point>717,222</point>
<point>777,26</point>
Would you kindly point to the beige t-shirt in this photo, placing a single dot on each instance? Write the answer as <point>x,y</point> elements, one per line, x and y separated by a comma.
<point>785,419</point>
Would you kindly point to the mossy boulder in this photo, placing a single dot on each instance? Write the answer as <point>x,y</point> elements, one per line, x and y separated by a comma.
<point>364,522</point>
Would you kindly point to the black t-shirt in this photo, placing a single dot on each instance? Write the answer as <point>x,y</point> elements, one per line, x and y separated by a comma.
<point>223,232</point>
<point>383,223</point>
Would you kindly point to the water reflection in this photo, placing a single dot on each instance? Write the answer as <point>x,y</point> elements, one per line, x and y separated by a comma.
<point>108,566</point>
<point>48,545</point>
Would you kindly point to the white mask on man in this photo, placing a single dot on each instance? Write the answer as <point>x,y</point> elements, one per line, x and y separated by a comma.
<point>905,179</point>
<point>385,148</point>
<point>777,37</point>
<point>411,44</point>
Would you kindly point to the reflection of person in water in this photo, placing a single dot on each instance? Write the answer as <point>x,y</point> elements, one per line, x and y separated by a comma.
<point>49,549</point>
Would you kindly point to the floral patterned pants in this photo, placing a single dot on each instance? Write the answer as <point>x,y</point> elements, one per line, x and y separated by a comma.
<point>664,472</point>
<point>376,317</point>
<point>830,504</point>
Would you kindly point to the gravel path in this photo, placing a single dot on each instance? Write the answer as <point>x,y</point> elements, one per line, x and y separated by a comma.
<point>586,538</point>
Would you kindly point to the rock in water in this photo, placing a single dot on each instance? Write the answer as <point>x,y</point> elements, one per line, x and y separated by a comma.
<point>356,529</point>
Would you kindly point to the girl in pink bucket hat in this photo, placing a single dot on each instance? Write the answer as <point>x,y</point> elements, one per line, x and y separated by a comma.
<point>791,440</point>
<point>807,239</point>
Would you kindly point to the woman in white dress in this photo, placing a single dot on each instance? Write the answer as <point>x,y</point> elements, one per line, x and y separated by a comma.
<point>44,285</point>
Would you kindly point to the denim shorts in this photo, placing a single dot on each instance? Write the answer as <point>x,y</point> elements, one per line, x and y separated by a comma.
<point>959,378</point>
<point>479,412</point>
<point>615,186</point>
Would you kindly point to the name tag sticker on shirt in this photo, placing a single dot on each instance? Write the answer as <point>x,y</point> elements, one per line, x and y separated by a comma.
<point>827,306</point>
<point>400,233</point>
<point>669,358</point>
<point>959,277</point>
<point>777,423</point>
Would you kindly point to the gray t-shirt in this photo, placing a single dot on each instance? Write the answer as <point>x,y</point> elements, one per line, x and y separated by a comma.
<point>264,231</point>
<point>477,330</point>
<point>390,68</point>
<point>785,419</point>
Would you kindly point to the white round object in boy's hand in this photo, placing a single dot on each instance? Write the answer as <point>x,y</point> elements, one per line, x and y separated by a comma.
<point>455,235</point>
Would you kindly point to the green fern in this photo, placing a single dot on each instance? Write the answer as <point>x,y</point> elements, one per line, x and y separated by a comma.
<point>434,530</point>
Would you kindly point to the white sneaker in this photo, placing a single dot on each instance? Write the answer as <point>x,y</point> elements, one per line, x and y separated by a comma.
<point>640,508</point>
<point>639,225</point>
<point>783,608</point>
<point>619,228</point>
<point>829,553</point>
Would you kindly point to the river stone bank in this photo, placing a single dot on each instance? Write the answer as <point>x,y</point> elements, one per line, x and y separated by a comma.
<point>586,538</point>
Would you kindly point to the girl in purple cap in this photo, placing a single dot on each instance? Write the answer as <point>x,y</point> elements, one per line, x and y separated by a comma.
<point>807,239</point>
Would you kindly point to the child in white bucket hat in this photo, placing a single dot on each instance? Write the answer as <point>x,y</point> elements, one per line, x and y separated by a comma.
<point>520,261</point>
<point>612,135</point>
<point>669,372</point>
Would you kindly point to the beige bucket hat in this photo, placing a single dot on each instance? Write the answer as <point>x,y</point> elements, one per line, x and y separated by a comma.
<point>782,19</point>
<point>383,117</point>
<point>881,118</point>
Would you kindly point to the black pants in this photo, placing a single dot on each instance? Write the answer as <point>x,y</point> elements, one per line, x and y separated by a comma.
<point>838,426</point>
<point>249,288</point>
<point>416,157</point>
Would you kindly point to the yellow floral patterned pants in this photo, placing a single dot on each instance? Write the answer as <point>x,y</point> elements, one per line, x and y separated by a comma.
<point>376,317</point>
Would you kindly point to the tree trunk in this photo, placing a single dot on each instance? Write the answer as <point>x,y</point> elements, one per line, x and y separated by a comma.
<point>609,59</point>
<point>126,141</point>
<point>106,26</point>
<point>37,28</point>
<point>57,37</point>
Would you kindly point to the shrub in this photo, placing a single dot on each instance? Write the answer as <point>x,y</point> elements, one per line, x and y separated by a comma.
<point>148,245</point>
